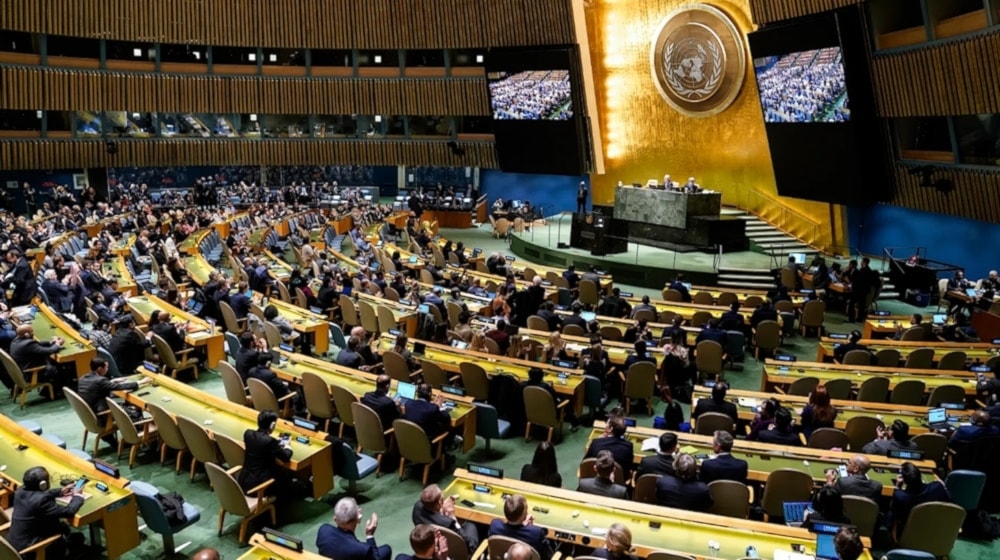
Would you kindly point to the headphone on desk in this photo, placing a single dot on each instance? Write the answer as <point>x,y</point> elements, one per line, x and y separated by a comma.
<point>36,478</point>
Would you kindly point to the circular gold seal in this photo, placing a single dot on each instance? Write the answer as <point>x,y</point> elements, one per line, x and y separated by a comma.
<point>698,60</point>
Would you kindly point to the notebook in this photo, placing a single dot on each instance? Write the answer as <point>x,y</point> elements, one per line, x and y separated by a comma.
<point>795,512</point>
<point>406,390</point>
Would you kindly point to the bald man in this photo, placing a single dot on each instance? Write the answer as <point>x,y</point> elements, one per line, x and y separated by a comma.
<point>856,483</point>
<point>206,554</point>
<point>434,508</point>
<point>30,353</point>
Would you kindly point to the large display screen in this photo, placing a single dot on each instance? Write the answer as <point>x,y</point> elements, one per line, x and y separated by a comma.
<point>801,87</point>
<point>818,106</point>
<point>535,101</point>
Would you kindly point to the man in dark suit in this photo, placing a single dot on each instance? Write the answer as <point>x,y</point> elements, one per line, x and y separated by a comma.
<point>853,343</point>
<point>724,466</point>
<point>426,413</point>
<point>415,204</point>
<point>863,287</point>
<point>264,455</point>
<point>57,293</point>
<point>764,312</point>
<point>712,331</point>
<point>240,301</point>
<point>572,278</point>
<point>663,461</point>
<point>678,284</point>
<point>248,355</point>
<point>95,387</point>
<point>552,319</point>
<point>128,345</point>
<point>37,516</point>
<point>781,432</point>
<point>262,372</point>
<point>22,277</point>
<point>533,299</point>
<point>434,509</point>
<point>169,332</point>
<point>856,483</point>
<point>339,541</point>
<point>614,441</point>
<point>379,401</point>
<point>427,543</point>
<point>603,483</point>
<point>717,403</point>
<point>518,524</point>
<point>683,490</point>
<point>30,353</point>
<point>575,318</point>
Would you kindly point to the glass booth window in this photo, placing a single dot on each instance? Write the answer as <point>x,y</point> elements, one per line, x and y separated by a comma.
<point>192,54</point>
<point>434,125</point>
<point>234,55</point>
<point>978,139</point>
<point>127,50</point>
<point>73,47</point>
<point>19,42</point>
<point>335,126</point>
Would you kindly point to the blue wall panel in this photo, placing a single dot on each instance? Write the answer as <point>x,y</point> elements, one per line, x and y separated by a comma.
<point>553,193</point>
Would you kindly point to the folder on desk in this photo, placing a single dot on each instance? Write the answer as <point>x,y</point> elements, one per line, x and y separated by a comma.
<point>651,444</point>
<point>689,449</point>
<point>64,500</point>
<point>747,402</point>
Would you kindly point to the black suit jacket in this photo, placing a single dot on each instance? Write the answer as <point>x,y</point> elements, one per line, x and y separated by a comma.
<point>29,353</point>
<point>531,535</point>
<point>25,287</point>
<point>267,376</point>
<point>656,464</point>
<point>94,389</point>
<point>724,467</point>
<point>709,405</point>
<point>620,449</point>
<point>36,516</point>
<point>58,294</point>
<point>261,452</point>
<point>383,406</point>
<point>128,348</point>
<point>428,416</point>
<point>692,495</point>
<point>855,485</point>
<point>169,334</point>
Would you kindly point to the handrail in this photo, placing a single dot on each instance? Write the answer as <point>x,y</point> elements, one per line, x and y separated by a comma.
<point>759,203</point>
<point>889,255</point>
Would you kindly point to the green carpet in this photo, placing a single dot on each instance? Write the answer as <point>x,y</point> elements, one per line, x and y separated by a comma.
<point>387,496</point>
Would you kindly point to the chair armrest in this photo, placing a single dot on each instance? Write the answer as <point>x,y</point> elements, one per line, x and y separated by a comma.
<point>184,351</point>
<point>557,556</point>
<point>482,549</point>
<point>419,372</point>
<point>5,528</point>
<point>286,397</point>
<point>143,422</point>
<point>439,439</point>
<point>780,390</point>
<point>259,489</point>
<point>234,470</point>
<point>33,370</point>
<point>40,545</point>
<point>802,438</point>
<point>750,499</point>
<point>562,404</point>
<point>389,432</point>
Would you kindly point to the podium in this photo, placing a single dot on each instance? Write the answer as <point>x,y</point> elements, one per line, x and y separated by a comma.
<point>593,232</point>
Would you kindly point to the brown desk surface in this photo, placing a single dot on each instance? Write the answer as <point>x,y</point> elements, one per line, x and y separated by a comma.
<point>774,375</point>
<point>260,549</point>
<point>981,351</point>
<point>76,348</point>
<point>574,517</point>
<point>764,458</point>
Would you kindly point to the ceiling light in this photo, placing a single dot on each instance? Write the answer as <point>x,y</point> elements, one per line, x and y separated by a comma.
<point>273,58</point>
<point>253,117</point>
<point>378,118</point>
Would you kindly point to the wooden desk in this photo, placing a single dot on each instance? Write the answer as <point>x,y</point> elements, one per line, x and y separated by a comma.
<point>618,352</point>
<point>715,291</point>
<point>449,218</point>
<point>450,359</point>
<point>123,246</point>
<point>115,508</point>
<point>884,327</point>
<point>463,415</point>
<point>76,349</point>
<point>191,244</point>
<point>915,416</point>
<point>313,459</point>
<point>974,351</point>
<point>277,268</point>
<point>783,374</point>
<point>115,267</point>
<point>304,322</point>
<point>404,315</point>
<point>574,517</point>
<point>260,549</point>
<point>199,334</point>
<point>764,458</point>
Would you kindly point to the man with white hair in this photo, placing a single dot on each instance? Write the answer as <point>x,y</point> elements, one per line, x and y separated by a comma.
<point>56,292</point>
<point>339,541</point>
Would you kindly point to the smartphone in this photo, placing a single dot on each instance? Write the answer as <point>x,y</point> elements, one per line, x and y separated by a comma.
<point>80,484</point>
<point>481,488</point>
<point>842,470</point>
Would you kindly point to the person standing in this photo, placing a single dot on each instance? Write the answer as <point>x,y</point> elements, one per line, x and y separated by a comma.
<point>581,198</point>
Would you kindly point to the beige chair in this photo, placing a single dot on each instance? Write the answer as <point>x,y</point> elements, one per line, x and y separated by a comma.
<point>457,549</point>
<point>36,551</point>
<point>301,299</point>
<point>372,435</point>
<point>416,447</point>
<point>454,310</point>
<point>753,301</point>
<point>730,498</point>
<point>908,392</point>
<point>703,298</point>
<point>767,338</point>
<point>589,293</point>
<point>670,294</point>
<point>171,364</point>
<point>236,391</point>
<point>493,347</point>
<point>640,384</point>
<point>789,279</point>
<point>874,389</point>
<point>496,547</point>
<point>803,386</point>
<point>610,332</point>
<point>542,410</point>
<point>233,500</point>
<point>857,358</point>
<point>942,290</point>
<point>839,389</point>
<point>272,334</point>
<point>863,513</point>
<point>645,489</point>
<point>726,299</point>
<point>933,527</point>
<point>887,357</point>
<point>574,330</point>
<point>709,422</point>
<point>435,376</point>
<point>233,452</point>
<point>22,384</point>
<point>588,469</point>
<point>129,431</point>
<point>283,294</point>
<point>199,443</point>
<point>647,315</point>
<point>700,318</point>
<point>708,359</point>
<point>784,306</point>
<point>934,446</point>
<point>813,314</point>
<point>342,399</point>
<point>319,403</point>
<point>232,324</point>
<point>784,485</point>
<point>99,425</point>
<point>913,334</point>
<point>397,368</point>
<point>264,399</point>
<point>953,360</point>
<point>475,381</point>
<point>664,555</point>
<point>537,323</point>
<point>946,394</point>
<point>861,430</point>
<point>170,435</point>
<point>920,358</point>
<point>502,228</point>
<point>386,320</point>
<point>389,292</point>
<point>828,438</point>
<point>348,312</point>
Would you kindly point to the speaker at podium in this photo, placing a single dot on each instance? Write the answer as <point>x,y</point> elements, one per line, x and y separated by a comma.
<point>595,232</point>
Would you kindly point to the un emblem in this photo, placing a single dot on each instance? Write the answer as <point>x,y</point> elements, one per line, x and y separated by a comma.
<point>698,60</point>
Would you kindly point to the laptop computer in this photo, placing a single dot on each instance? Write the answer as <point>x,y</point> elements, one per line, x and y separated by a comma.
<point>939,318</point>
<point>800,258</point>
<point>795,512</point>
<point>406,390</point>
<point>588,316</point>
<point>194,306</point>
<point>937,419</point>
<point>826,533</point>
<point>460,344</point>
<point>971,292</point>
<point>413,259</point>
<point>424,308</point>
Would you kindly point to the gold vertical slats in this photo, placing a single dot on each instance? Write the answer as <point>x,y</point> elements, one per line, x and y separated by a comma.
<point>767,11</point>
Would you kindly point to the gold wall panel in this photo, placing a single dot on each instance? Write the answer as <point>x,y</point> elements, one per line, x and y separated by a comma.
<point>330,24</point>
<point>644,138</point>
<point>76,154</point>
<point>767,11</point>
